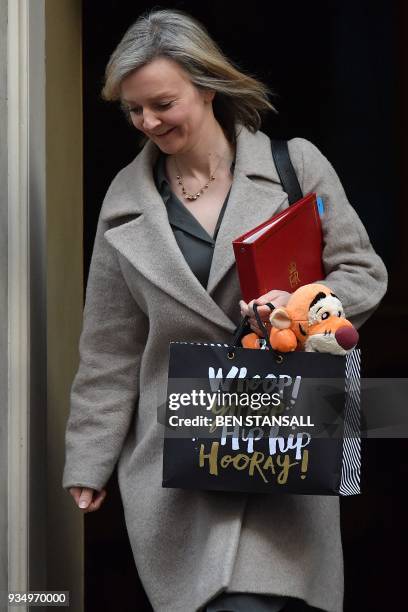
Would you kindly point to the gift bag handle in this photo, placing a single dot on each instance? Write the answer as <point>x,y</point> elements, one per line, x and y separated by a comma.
<point>262,327</point>
<point>244,322</point>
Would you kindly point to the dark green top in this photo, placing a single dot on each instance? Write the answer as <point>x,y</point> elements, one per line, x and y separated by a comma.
<point>194,242</point>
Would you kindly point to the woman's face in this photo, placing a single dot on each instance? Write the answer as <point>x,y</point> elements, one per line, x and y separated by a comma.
<point>166,106</point>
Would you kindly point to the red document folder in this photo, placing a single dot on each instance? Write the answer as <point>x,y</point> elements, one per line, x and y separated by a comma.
<point>284,252</point>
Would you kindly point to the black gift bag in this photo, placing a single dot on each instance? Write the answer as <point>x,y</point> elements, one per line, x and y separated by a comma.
<point>256,421</point>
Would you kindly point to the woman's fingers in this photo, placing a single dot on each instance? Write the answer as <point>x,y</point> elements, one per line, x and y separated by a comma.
<point>97,501</point>
<point>87,499</point>
<point>244,309</point>
<point>263,311</point>
<point>275,297</point>
<point>254,325</point>
<point>247,310</point>
<point>82,496</point>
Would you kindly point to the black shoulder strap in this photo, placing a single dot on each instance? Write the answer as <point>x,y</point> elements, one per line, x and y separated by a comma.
<point>286,171</point>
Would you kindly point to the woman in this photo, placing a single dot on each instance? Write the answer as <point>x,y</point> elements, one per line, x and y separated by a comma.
<point>163,269</point>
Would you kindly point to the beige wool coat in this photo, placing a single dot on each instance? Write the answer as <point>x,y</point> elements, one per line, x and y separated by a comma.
<point>141,294</point>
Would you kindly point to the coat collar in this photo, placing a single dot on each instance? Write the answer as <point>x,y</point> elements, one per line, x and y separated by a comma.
<point>140,230</point>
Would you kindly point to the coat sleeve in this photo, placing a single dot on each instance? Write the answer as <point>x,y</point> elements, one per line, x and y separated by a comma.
<point>106,386</point>
<point>353,270</point>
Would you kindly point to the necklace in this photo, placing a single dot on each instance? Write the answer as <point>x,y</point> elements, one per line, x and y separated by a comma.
<point>194,196</point>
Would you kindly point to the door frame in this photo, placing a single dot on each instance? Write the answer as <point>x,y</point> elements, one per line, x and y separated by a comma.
<point>41,111</point>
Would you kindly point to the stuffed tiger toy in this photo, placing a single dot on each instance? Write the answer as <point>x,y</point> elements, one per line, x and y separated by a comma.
<point>313,320</point>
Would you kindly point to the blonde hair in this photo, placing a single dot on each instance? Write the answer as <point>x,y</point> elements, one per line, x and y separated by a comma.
<point>240,98</point>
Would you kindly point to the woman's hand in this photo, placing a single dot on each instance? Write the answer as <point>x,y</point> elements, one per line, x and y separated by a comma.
<point>275,297</point>
<point>88,500</point>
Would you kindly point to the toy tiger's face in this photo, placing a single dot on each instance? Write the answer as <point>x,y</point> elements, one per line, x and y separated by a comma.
<point>314,321</point>
<point>328,329</point>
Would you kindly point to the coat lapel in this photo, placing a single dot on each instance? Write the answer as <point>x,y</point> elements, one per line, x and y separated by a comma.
<point>140,230</point>
<point>249,205</point>
<point>256,195</point>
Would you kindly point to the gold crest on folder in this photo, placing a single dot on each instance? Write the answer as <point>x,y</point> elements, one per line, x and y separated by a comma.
<point>294,279</point>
